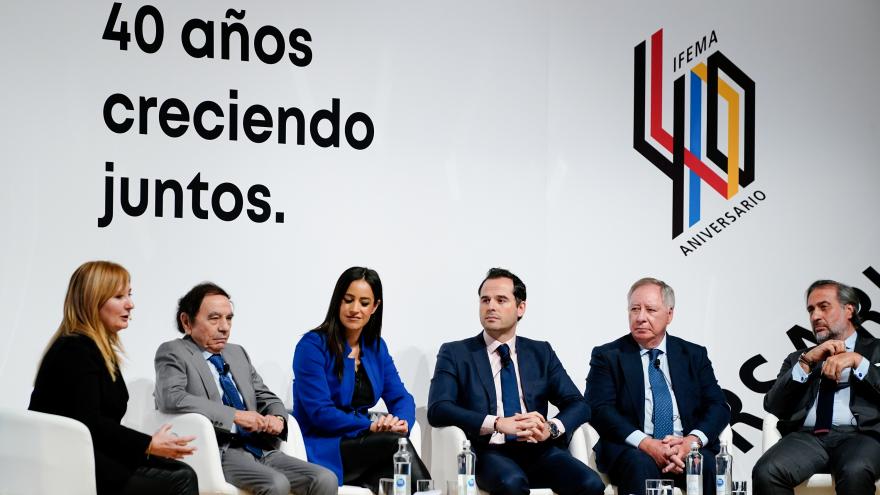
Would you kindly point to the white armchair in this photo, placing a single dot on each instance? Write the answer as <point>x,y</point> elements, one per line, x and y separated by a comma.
<point>818,484</point>
<point>206,460</point>
<point>43,453</point>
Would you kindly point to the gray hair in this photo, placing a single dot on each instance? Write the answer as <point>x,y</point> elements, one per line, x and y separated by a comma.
<point>665,290</point>
<point>845,295</point>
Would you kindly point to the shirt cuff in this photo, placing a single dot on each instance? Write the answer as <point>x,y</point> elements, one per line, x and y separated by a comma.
<point>798,373</point>
<point>488,426</point>
<point>635,438</point>
<point>559,425</point>
<point>702,436</point>
<point>861,370</point>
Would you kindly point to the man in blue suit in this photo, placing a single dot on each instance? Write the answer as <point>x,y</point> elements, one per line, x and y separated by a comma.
<point>496,387</point>
<point>652,395</point>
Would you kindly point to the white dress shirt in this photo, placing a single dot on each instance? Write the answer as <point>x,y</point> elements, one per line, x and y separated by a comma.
<point>636,437</point>
<point>842,415</point>
<point>488,426</point>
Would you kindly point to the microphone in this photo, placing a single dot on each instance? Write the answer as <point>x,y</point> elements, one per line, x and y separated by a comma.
<point>226,368</point>
<point>656,363</point>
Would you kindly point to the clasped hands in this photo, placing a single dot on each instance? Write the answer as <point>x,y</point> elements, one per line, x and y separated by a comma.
<point>669,453</point>
<point>529,427</point>
<point>389,422</point>
<point>255,422</point>
<point>835,356</point>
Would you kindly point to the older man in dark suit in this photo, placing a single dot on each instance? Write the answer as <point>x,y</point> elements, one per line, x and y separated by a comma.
<point>652,395</point>
<point>202,373</point>
<point>827,399</point>
<point>496,387</point>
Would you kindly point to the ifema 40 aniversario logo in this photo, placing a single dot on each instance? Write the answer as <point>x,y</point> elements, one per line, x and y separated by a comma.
<point>713,133</point>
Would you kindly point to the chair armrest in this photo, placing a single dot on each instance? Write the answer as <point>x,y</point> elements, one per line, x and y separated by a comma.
<point>295,446</point>
<point>45,453</point>
<point>206,459</point>
<point>415,437</point>
<point>445,445</point>
<point>726,436</point>
<point>769,434</point>
<point>580,447</point>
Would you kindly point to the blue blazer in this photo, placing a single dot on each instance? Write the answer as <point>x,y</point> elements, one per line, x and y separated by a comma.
<point>463,390</point>
<point>616,393</point>
<point>322,402</point>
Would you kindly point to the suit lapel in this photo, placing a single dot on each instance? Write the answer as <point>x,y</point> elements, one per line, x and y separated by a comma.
<point>528,373</point>
<point>241,372</point>
<point>371,367</point>
<point>864,343</point>
<point>631,362</point>
<point>677,361</point>
<point>865,347</point>
<point>202,365</point>
<point>481,362</point>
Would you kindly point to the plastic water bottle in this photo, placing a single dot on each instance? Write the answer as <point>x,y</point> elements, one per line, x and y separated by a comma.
<point>723,471</point>
<point>402,469</point>
<point>693,470</point>
<point>467,483</point>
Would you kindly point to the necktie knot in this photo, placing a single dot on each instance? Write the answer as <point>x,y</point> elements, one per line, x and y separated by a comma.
<point>219,363</point>
<point>504,352</point>
<point>654,354</point>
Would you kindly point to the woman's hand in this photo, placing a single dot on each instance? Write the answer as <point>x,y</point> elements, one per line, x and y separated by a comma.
<point>391,423</point>
<point>166,444</point>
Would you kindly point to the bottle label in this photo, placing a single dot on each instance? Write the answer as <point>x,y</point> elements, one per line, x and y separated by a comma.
<point>467,484</point>
<point>719,484</point>
<point>400,482</point>
<point>694,484</point>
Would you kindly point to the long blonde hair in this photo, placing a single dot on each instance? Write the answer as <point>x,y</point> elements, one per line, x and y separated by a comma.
<point>91,285</point>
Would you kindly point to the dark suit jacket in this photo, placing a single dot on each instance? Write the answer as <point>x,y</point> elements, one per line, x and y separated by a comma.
<point>616,393</point>
<point>185,384</point>
<point>322,402</point>
<point>790,400</point>
<point>463,392</point>
<point>73,381</point>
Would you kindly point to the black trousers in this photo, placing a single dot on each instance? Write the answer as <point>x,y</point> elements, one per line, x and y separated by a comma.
<point>852,458</point>
<point>367,458</point>
<point>159,476</point>
<point>513,468</point>
<point>633,467</point>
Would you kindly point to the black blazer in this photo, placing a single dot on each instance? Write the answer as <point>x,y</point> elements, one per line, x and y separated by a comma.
<point>616,393</point>
<point>73,381</point>
<point>463,390</point>
<point>790,400</point>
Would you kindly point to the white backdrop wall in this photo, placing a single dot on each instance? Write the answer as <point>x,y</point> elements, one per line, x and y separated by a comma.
<point>503,136</point>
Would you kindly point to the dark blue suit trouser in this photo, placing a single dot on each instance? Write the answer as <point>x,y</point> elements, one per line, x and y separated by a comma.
<point>511,469</point>
<point>633,467</point>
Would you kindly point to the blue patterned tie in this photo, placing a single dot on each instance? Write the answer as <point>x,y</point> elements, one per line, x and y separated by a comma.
<point>509,390</point>
<point>662,398</point>
<point>232,398</point>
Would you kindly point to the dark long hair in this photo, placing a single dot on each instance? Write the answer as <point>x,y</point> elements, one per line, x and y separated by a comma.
<point>332,330</point>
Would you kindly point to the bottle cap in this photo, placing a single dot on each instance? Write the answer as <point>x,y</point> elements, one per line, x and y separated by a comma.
<point>466,444</point>
<point>401,441</point>
<point>695,445</point>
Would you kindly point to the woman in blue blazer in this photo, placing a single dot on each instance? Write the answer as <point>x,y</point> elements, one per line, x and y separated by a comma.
<point>341,369</point>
